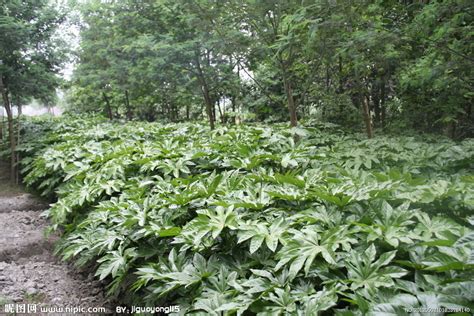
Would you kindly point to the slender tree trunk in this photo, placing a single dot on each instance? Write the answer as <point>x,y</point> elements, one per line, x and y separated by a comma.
<point>376,97</point>
<point>340,88</point>
<point>452,130</point>
<point>11,135</point>
<point>205,91</point>
<point>214,115</point>
<point>232,100</point>
<point>174,112</point>
<point>127,105</point>
<point>166,107</point>
<point>290,100</point>
<point>187,111</point>
<point>328,77</point>
<point>221,114</point>
<point>224,114</point>
<point>382,104</point>
<point>366,114</point>
<point>18,133</point>
<point>1,124</point>
<point>341,79</point>
<point>108,108</point>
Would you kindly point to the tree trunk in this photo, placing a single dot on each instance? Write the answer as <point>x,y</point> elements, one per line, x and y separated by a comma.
<point>232,100</point>
<point>127,105</point>
<point>205,90</point>
<point>174,112</point>
<point>1,124</point>
<point>328,76</point>
<point>108,108</point>
<point>11,135</point>
<point>221,114</point>
<point>377,100</point>
<point>214,116</point>
<point>18,133</point>
<point>382,104</point>
<point>290,100</point>
<point>341,79</point>
<point>224,114</point>
<point>366,114</point>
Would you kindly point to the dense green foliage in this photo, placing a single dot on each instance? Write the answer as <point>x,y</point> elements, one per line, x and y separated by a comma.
<point>231,218</point>
<point>393,64</point>
<point>31,53</point>
<point>246,219</point>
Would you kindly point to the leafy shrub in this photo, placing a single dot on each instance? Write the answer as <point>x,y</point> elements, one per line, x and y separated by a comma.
<point>244,219</point>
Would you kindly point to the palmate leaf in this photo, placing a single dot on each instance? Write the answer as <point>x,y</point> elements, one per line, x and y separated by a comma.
<point>448,258</point>
<point>289,178</point>
<point>328,216</point>
<point>236,304</point>
<point>111,186</point>
<point>302,248</point>
<point>366,272</point>
<point>106,239</point>
<point>263,281</point>
<point>279,302</point>
<point>255,196</point>
<point>211,305</point>
<point>396,305</point>
<point>466,240</point>
<point>260,232</point>
<point>115,262</point>
<point>59,211</point>
<point>75,244</point>
<point>208,222</point>
<point>223,286</point>
<point>340,199</point>
<point>430,228</point>
<point>154,271</point>
<point>392,225</point>
<point>193,273</point>
<point>319,302</point>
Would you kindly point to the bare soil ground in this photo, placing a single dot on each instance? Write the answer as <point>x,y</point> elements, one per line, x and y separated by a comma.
<point>29,272</point>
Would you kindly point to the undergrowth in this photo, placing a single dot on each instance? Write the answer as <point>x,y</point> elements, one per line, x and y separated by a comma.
<point>246,220</point>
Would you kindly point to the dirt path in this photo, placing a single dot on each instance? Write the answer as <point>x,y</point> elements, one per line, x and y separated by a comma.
<point>29,272</point>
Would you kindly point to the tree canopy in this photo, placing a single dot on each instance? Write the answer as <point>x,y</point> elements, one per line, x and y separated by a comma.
<point>386,64</point>
<point>30,51</point>
<point>31,55</point>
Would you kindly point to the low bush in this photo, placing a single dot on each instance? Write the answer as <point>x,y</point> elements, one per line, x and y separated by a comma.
<point>247,220</point>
